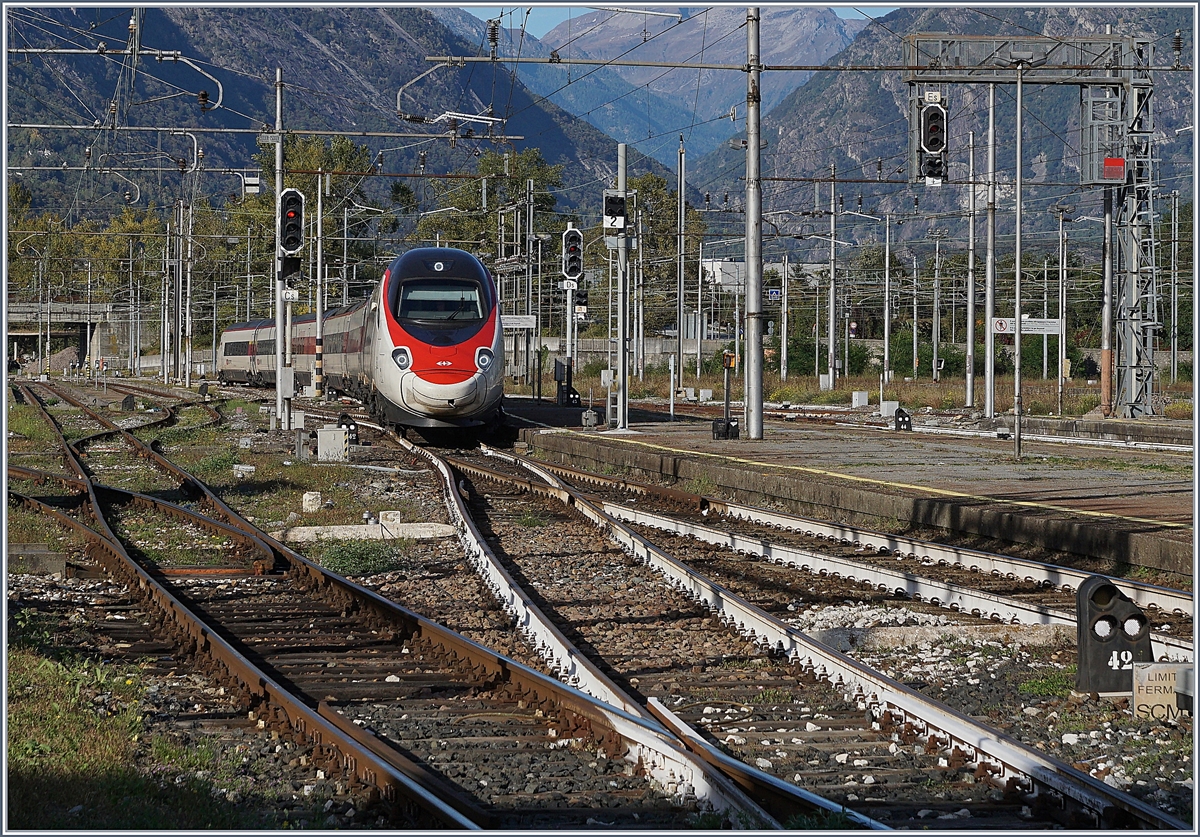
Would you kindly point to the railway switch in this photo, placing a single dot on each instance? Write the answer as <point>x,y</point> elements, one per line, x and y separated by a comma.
<point>1113,633</point>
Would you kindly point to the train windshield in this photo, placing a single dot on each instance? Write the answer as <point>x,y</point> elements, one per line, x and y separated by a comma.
<point>440,299</point>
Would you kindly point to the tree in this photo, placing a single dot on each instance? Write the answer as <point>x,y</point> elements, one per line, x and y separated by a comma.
<point>458,217</point>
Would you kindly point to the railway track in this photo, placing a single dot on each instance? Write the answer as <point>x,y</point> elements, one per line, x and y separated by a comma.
<point>998,587</point>
<point>308,653</point>
<point>780,773</point>
<point>952,738</point>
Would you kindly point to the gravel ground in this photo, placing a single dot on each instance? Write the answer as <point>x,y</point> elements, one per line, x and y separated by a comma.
<point>997,682</point>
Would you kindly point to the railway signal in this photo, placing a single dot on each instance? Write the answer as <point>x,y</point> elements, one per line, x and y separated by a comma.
<point>1113,633</point>
<point>291,221</point>
<point>614,209</point>
<point>572,254</point>
<point>933,140</point>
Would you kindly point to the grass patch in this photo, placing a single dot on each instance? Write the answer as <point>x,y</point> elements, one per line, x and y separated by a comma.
<point>26,527</point>
<point>72,764</point>
<point>823,821</point>
<point>1178,410</point>
<point>774,696</point>
<point>1056,682</point>
<point>214,466</point>
<point>360,557</point>
<point>701,485</point>
<point>531,520</point>
<point>26,421</point>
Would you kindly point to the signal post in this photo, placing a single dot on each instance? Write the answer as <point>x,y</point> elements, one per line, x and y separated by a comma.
<point>572,271</point>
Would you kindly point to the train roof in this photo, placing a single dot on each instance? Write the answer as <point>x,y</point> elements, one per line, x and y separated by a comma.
<point>250,325</point>
<point>255,325</point>
<point>425,258</point>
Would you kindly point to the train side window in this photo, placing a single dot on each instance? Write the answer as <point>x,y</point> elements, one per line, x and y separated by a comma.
<point>238,349</point>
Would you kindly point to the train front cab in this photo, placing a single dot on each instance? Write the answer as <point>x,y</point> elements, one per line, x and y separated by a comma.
<point>439,357</point>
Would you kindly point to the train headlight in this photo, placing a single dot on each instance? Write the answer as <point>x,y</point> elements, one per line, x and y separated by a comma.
<point>403,358</point>
<point>484,359</point>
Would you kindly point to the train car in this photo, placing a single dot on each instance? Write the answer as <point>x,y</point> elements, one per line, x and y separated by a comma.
<point>424,350</point>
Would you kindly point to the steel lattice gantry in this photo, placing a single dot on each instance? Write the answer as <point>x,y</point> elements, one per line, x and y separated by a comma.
<point>1117,124</point>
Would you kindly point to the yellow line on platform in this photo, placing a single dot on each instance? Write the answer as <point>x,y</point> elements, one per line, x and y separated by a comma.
<point>930,489</point>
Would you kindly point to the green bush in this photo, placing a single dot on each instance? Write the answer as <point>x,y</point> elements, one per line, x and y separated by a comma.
<point>216,465</point>
<point>360,557</point>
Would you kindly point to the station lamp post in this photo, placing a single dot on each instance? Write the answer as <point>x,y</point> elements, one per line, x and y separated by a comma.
<point>1062,211</point>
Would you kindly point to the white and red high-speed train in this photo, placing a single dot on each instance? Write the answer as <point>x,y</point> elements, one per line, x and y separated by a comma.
<point>424,350</point>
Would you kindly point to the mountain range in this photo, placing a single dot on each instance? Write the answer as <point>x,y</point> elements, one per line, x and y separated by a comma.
<point>857,120</point>
<point>648,107</point>
<point>343,68</point>
<point>342,71</point>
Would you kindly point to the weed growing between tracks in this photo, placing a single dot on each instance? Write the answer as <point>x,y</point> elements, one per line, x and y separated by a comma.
<point>530,520</point>
<point>27,423</point>
<point>1055,683</point>
<point>71,755</point>
<point>359,557</point>
<point>25,526</point>
<point>829,821</point>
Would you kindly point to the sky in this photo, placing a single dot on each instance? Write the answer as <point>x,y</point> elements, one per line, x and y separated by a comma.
<point>544,18</point>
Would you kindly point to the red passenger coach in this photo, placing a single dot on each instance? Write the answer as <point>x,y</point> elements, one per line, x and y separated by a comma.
<point>425,350</point>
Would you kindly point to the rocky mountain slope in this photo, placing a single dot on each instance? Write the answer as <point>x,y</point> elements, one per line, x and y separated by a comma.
<point>650,107</point>
<point>858,120</point>
<point>342,68</point>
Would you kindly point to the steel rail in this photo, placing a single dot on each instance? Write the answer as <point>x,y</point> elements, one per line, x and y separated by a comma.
<point>198,639</point>
<point>648,743</point>
<point>245,539</point>
<point>145,451</point>
<point>952,596</point>
<point>1149,596</point>
<point>190,632</point>
<point>608,726</point>
<point>188,483</point>
<point>1076,793</point>
<point>659,751</point>
<point>215,416</point>
<point>1064,578</point>
<point>781,796</point>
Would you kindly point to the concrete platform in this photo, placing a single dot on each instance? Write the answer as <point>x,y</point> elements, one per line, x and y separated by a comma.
<point>1129,506</point>
<point>365,532</point>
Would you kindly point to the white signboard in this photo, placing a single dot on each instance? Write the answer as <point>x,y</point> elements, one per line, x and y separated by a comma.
<point>1029,325</point>
<point>1154,690</point>
<point>520,321</point>
<point>568,285</point>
